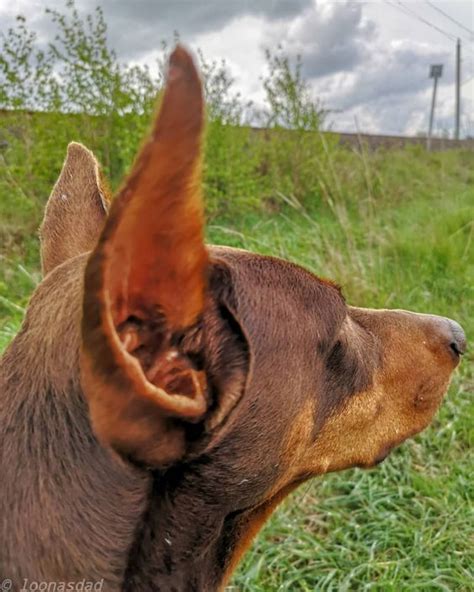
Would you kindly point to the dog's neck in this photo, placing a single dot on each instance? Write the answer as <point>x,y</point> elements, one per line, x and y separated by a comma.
<point>169,539</point>
<point>183,544</point>
<point>190,541</point>
<point>136,530</point>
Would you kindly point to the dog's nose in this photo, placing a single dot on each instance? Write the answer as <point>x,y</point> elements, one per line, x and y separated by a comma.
<point>451,333</point>
<point>458,342</point>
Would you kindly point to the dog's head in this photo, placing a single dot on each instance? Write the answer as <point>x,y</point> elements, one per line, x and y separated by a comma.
<point>247,372</point>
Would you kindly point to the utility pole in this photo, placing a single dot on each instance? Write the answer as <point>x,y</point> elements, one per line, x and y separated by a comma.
<point>436,71</point>
<point>458,88</point>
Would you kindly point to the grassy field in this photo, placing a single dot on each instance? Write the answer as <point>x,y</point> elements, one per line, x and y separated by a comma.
<point>396,230</point>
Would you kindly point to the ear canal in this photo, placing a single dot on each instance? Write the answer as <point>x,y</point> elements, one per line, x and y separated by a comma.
<point>145,285</point>
<point>76,209</point>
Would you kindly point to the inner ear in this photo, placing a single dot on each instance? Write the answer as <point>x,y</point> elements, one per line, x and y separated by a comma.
<point>227,350</point>
<point>159,353</point>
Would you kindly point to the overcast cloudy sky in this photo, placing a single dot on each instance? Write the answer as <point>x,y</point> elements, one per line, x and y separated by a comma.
<point>367,61</point>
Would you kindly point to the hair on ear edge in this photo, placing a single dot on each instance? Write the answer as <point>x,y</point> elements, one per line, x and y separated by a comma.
<point>76,209</point>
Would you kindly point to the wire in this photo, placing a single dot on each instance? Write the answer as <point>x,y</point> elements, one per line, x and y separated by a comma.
<point>470,79</point>
<point>446,15</point>
<point>407,11</point>
<point>410,12</point>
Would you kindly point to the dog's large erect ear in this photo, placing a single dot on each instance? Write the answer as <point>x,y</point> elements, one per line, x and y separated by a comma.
<point>76,209</point>
<point>145,289</point>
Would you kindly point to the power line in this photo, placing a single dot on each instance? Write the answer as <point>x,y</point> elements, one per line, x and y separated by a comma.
<point>467,81</point>
<point>469,51</point>
<point>408,12</point>
<point>400,6</point>
<point>446,15</point>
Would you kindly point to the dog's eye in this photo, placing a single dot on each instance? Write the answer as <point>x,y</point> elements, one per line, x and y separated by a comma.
<point>336,356</point>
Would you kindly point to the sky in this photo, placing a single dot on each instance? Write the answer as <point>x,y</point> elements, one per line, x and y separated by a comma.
<point>368,62</point>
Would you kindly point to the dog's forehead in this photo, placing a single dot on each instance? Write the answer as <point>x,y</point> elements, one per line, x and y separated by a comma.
<point>272,273</point>
<point>281,294</point>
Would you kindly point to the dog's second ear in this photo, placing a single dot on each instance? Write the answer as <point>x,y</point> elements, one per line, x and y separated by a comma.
<point>76,209</point>
<point>146,291</point>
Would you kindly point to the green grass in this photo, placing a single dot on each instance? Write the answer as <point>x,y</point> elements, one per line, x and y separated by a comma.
<point>395,229</point>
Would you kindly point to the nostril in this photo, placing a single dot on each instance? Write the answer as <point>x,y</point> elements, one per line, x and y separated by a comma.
<point>455,348</point>
<point>458,342</point>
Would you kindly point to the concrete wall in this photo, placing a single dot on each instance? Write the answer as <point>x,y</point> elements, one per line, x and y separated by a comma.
<point>373,142</point>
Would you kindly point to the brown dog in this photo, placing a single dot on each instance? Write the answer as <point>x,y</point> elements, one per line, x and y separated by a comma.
<point>146,447</point>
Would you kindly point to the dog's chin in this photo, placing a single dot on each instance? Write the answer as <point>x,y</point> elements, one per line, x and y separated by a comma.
<point>374,463</point>
<point>386,449</point>
<point>381,457</point>
<point>384,452</point>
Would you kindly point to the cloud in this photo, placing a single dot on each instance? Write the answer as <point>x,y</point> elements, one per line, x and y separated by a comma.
<point>329,37</point>
<point>357,73</point>
<point>137,27</point>
<point>393,86</point>
<point>195,17</point>
<point>407,114</point>
<point>393,70</point>
<point>360,58</point>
